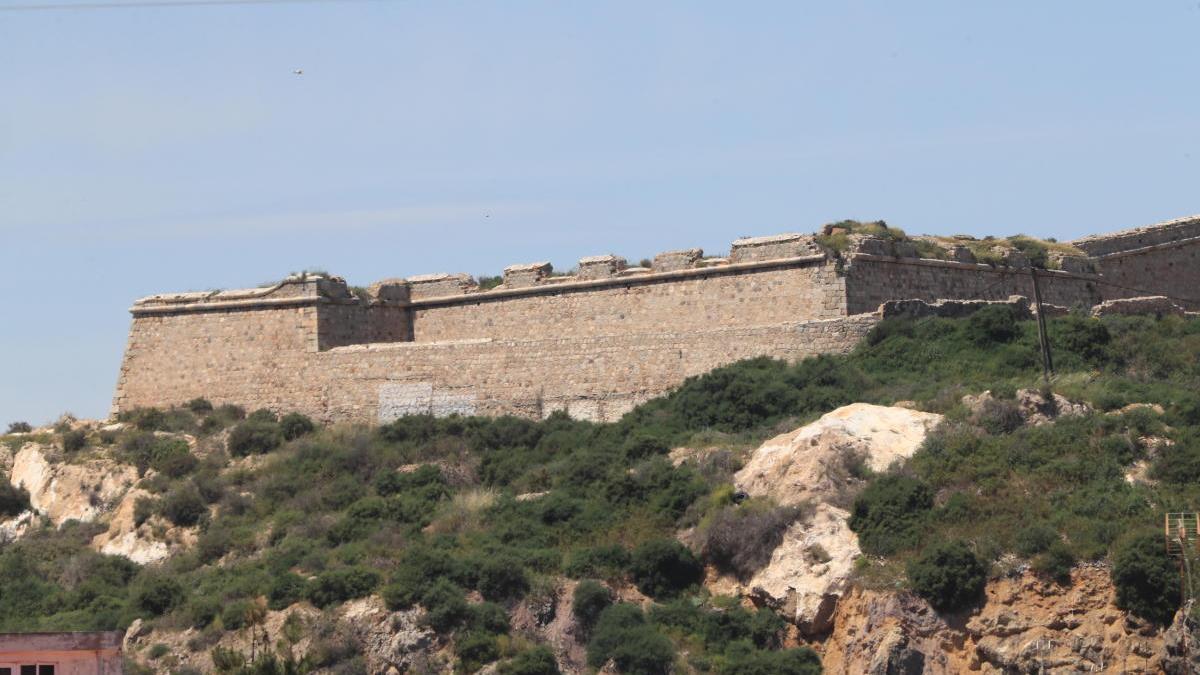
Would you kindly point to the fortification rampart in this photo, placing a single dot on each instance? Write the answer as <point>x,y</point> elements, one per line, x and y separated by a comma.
<point>593,343</point>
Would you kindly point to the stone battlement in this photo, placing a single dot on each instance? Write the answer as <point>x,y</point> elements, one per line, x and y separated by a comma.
<point>594,342</point>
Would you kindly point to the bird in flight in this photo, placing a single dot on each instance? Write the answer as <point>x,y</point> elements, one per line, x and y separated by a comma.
<point>297,72</point>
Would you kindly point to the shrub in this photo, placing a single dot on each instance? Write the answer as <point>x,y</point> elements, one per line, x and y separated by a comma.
<point>1146,578</point>
<point>74,440</point>
<point>740,539</point>
<point>1035,539</point>
<point>636,647</point>
<point>589,601</point>
<point>607,561</point>
<point>664,567</point>
<point>255,436</point>
<point>536,661</point>
<point>949,575</point>
<point>993,324</point>
<point>172,457</point>
<point>1055,563</point>
<point>998,416</point>
<point>227,660</point>
<point>476,650</point>
<point>157,651</point>
<point>143,508</point>
<point>183,505</point>
<point>19,428</point>
<point>294,425</point>
<point>1086,337</point>
<point>200,406</point>
<point>488,617</point>
<point>337,586</point>
<point>13,500</point>
<point>502,577</point>
<point>157,594</point>
<point>889,514</point>
<point>742,659</point>
<point>445,606</point>
<point>286,589</point>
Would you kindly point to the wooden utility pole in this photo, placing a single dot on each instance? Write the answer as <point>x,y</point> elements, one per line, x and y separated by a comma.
<point>1043,338</point>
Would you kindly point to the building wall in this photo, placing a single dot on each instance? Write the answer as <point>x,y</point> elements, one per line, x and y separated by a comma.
<point>1171,269</point>
<point>254,361</point>
<point>699,299</point>
<point>873,280</point>
<point>594,344</point>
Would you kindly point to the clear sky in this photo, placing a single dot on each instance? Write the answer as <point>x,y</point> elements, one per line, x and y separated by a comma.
<point>164,149</point>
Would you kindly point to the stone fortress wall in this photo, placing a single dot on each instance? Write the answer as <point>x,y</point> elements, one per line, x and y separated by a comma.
<point>594,343</point>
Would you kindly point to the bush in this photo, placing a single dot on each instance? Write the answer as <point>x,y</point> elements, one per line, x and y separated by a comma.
<point>183,506</point>
<point>19,428</point>
<point>445,606</point>
<point>994,324</point>
<point>949,575</point>
<point>740,539</point>
<point>157,594</point>
<point>998,416</point>
<point>1035,539</point>
<point>502,577</point>
<point>294,425</point>
<point>143,508</point>
<point>589,601</point>
<point>476,650</point>
<point>337,586</point>
<point>172,457</point>
<point>607,561</point>
<point>1146,578</point>
<point>1055,563</point>
<point>623,635</point>
<point>742,659</point>
<point>200,406</point>
<point>255,436</point>
<point>286,589</point>
<point>536,661</point>
<point>890,513</point>
<point>488,617</point>
<point>74,440</point>
<point>664,567</point>
<point>13,500</point>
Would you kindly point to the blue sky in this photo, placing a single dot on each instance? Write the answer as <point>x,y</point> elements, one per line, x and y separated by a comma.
<point>147,150</point>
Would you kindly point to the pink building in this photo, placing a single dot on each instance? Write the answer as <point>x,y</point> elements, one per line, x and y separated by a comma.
<point>96,653</point>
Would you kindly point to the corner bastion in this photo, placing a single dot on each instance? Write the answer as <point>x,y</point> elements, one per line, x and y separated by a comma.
<point>593,343</point>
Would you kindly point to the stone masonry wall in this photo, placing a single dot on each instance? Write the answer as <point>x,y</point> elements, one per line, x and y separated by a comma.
<point>874,280</point>
<point>593,344</point>
<point>1171,269</point>
<point>261,359</point>
<point>699,299</point>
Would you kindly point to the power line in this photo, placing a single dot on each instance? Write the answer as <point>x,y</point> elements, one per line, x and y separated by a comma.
<point>157,4</point>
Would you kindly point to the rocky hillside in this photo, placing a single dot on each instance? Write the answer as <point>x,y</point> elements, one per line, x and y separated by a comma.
<point>921,505</point>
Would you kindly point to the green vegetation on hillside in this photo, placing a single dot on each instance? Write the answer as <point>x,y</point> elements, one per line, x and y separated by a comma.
<point>426,511</point>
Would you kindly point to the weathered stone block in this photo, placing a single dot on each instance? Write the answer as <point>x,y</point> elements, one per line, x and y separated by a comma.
<point>754,249</point>
<point>525,275</point>
<point>670,261</point>
<point>440,285</point>
<point>600,267</point>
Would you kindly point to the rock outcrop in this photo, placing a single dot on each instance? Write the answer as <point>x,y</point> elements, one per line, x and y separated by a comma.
<point>63,492</point>
<point>819,464</point>
<point>1025,625</point>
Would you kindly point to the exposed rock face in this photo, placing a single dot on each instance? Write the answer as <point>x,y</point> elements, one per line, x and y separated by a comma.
<point>391,641</point>
<point>70,491</point>
<point>1026,625</point>
<point>810,569</point>
<point>125,537</point>
<point>1034,408</point>
<point>812,462</point>
<point>1182,648</point>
